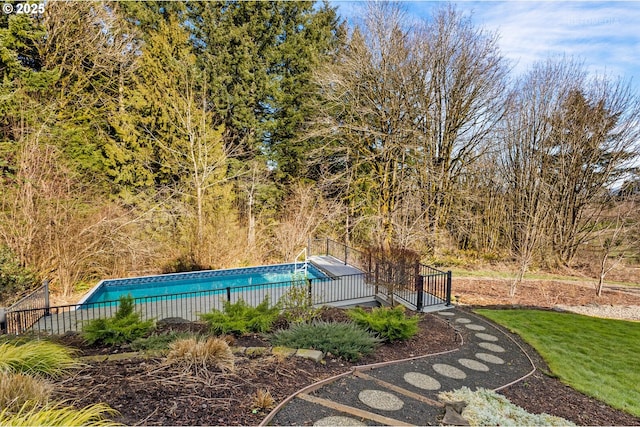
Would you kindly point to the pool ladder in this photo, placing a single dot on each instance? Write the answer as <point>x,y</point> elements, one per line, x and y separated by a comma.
<point>301,266</point>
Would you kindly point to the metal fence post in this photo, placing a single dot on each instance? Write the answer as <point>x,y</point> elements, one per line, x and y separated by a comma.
<point>309,294</point>
<point>47,306</point>
<point>418,280</point>
<point>449,287</point>
<point>420,291</point>
<point>228,294</point>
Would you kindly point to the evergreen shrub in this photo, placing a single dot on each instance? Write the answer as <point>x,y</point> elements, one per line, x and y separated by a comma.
<point>124,327</point>
<point>240,318</point>
<point>346,340</point>
<point>390,324</point>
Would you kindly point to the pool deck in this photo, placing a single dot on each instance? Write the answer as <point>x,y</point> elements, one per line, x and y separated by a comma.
<point>333,266</point>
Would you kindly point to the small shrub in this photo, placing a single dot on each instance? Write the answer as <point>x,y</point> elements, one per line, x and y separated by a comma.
<point>124,327</point>
<point>297,305</point>
<point>239,318</point>
<point>198,355</point>
<point>18,390</point>
<point>57,415</point>
<point>15,280</point>
<point>488,408</point>
<point>390,324</point>
<point>158,342</point>
<point>346,340</point>
<point>42,358</point>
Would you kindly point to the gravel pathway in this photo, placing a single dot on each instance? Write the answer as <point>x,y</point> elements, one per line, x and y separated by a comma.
<point>624,312</point>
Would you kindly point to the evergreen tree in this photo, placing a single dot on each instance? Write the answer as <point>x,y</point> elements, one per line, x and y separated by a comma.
<point>176,130</point>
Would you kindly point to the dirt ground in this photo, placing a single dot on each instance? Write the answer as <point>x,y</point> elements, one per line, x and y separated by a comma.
<point>538,293</point>
<point>146,391</point>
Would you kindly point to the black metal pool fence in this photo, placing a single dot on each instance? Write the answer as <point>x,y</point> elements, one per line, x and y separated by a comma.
<point>416,286</point>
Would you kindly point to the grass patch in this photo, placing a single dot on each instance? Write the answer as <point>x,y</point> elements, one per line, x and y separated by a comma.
<point>488,408</point>
<point>41,358</point>
<point>592,355</point>
<point>346,340</point>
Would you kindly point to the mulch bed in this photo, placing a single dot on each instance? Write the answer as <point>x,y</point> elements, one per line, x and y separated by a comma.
<point>146,391</point>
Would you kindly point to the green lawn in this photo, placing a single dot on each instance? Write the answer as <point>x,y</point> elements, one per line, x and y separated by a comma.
<point>598,357</point>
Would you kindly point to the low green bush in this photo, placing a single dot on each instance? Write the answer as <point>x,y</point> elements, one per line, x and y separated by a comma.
<point>390,324</point>
<point>346,340</point>
<point>158,341</point>
<point>124,327</point>
<point>239,318</point>
<point>488,408</point>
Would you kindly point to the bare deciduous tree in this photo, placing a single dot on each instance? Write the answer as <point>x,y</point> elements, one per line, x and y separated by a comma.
<point>594,138</point>
<point>304,212</point>
<point>525,160</point>
<point>614,237</point>
<point>406,109</point>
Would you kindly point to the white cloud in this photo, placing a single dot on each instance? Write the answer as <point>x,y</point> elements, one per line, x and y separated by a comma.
<point>604,35</point>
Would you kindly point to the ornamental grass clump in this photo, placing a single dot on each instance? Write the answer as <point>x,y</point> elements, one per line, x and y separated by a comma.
<point>263,400</point>
<point>40,358</point>
<point>346,340</point>
<point>58,415</point>
<point>21,390</point>
<point>390,324</point>
<point>200,355</point>
<point>240,318</point>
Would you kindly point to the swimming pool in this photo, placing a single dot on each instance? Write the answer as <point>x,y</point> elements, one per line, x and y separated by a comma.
<point>183,283</point>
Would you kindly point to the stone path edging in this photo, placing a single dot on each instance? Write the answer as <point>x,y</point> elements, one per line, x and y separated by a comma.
<point>314,355</point>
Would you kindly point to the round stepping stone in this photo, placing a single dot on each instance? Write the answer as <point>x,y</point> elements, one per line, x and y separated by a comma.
<point>490,358</point>
<point>473,365</point>
<point>446,313</point>
<point>487,337</point>
<point>463,320</point>
<point>382,400</point>
<point>474,327</point>
<point>338,421</point>
<point>422,381</point>
<point>491,347</point>
<point>449,371</point>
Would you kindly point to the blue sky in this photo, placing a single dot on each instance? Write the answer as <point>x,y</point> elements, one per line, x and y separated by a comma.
<point>604,35</point>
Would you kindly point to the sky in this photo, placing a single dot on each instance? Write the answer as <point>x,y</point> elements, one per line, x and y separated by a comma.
<point>604,35</point>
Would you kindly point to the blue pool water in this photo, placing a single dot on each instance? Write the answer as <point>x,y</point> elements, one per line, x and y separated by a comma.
<point>179,283</point>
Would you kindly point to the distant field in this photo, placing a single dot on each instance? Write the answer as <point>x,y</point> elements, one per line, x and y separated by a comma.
<point>460,272</point>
